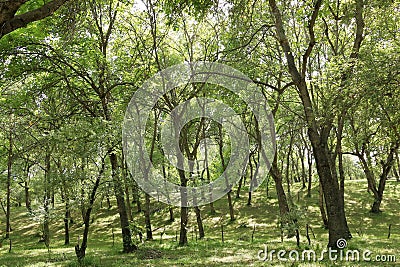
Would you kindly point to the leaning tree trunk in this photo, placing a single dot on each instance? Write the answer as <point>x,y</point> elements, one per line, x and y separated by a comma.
<point>387,166</point>
<point>282,199</point>
<point>123,215</point>
<point>80,249</point>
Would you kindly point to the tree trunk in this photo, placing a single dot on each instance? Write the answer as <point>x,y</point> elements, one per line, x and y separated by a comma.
<point>183,180</point>
<point>136,196</point>
<point>309,161</point>
<point>27,197</point>
<point>318,135</point>
<point>26,187</point>
<point>171,214</point>
<point>321,203</point>
<point>183,227</point>
<point>80,250</point>
<point>47,199</point>
<point>303,167</point>
<point>398,167</point>
<point>199,222</point>
<point>125,179</point>
<point>228,186</point>
<point>66,222</point>
<point>251,179</point>
<point>9,170</point>
<point>212,209</point>
<point>239,188</point>
<point>149,232</point>
<point>387,166</point>
<point>184,210</point>
<point>282,200</point>
<point>337,222</point>
<point>123,215</point>
<point>65,200</point>
<point>165,176</point>
<point>287,169</point>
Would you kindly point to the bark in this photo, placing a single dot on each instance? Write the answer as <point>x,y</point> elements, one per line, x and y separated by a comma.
<point>182,177</point>
<point>9,22</point>
<point>183,226</point>
<point>171,214</point>
<point>147,220</point>
<point>321,204</point>
<point>199,222</point>
<point>284,208</point>
<point>282,200</point>
<point>184,210</point>
<point>66,222</point>
<point>123,215</point>
<point>251,179</point>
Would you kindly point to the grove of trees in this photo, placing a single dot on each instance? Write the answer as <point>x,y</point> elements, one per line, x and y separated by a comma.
<point>329,70</point>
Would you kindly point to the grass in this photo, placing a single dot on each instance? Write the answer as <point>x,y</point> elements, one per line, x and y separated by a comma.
<point>238,249</point>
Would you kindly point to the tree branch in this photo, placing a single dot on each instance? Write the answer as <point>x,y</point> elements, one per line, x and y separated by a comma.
<point>9,22</point>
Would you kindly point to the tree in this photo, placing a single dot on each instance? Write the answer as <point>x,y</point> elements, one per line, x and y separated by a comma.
<point>318,133</point>
<point>374,123</point>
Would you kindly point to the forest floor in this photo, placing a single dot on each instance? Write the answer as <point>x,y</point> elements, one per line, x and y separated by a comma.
<point>241,246</point>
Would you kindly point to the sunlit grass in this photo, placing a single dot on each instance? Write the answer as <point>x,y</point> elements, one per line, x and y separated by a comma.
<point>369,231</point>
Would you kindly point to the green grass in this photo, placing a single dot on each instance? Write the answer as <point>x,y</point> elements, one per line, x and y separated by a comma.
<point>369,232</point>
